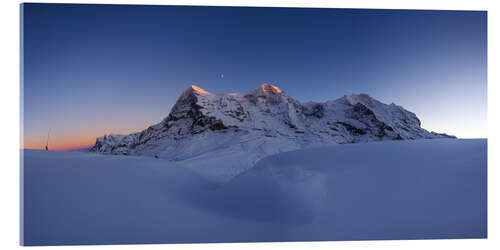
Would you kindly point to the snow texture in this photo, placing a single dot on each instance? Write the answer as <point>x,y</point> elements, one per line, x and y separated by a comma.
<point>418,189</point>
<point>234,131</point>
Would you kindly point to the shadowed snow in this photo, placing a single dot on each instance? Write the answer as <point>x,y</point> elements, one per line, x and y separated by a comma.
<point>378,190</point>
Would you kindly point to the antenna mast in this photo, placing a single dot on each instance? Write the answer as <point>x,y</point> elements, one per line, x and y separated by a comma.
<point>48,137</point>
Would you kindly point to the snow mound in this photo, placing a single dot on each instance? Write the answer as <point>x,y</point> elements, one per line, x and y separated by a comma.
<point>421,189</point>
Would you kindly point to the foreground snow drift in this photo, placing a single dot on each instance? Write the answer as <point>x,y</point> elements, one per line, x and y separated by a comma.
<point>379,190</point>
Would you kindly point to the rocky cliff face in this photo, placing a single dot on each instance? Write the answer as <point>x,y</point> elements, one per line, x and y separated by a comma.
<point>232,131</point>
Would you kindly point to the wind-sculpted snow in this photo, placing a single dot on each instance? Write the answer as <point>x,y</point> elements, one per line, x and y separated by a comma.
<point>230,132</point>
<point>419,189</point>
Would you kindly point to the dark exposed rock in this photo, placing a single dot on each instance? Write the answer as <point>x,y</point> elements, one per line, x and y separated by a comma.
<point>398,137</point>
<point>366,116</point>
<point>317,111</point>
<point>217,126</point>
<point>353,130</point>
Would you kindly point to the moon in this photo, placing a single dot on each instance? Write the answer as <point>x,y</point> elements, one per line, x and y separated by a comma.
<point>221,75</point>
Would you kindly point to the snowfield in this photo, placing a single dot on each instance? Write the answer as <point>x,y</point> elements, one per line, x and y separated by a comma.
<point>421,189</point>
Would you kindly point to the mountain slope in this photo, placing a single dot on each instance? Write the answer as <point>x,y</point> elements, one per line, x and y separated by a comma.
<point>230,132</point>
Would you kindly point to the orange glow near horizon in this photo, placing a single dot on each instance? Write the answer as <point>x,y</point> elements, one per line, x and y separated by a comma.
<point>65,142</point>
<point>62,145</point>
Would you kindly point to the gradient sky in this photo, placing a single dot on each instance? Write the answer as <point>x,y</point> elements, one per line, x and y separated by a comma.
<point>91,70</point>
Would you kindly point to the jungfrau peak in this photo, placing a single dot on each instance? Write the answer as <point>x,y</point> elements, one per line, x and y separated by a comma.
<point>270,88</point>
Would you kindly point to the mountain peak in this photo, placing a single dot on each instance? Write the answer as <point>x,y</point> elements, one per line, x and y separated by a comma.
<point>198,90</point>
<point>359,98</point>
<point>266,87</point>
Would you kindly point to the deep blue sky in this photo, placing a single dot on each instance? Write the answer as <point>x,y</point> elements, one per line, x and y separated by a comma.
<point>96,69</point>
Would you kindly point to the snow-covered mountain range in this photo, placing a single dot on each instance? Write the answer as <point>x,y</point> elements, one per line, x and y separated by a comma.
<point>225,134</point>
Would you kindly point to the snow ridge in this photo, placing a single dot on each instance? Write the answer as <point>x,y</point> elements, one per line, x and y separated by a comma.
<point>225,134</point>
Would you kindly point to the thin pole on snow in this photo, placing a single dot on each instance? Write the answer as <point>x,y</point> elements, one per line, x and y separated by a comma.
<point>48,137</point>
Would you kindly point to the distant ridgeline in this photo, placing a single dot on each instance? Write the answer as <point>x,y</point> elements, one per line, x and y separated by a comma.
<point>238,129</point>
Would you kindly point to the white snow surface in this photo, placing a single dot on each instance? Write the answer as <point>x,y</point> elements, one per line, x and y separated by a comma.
<point>418,189</point>
<point>226,134</point>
